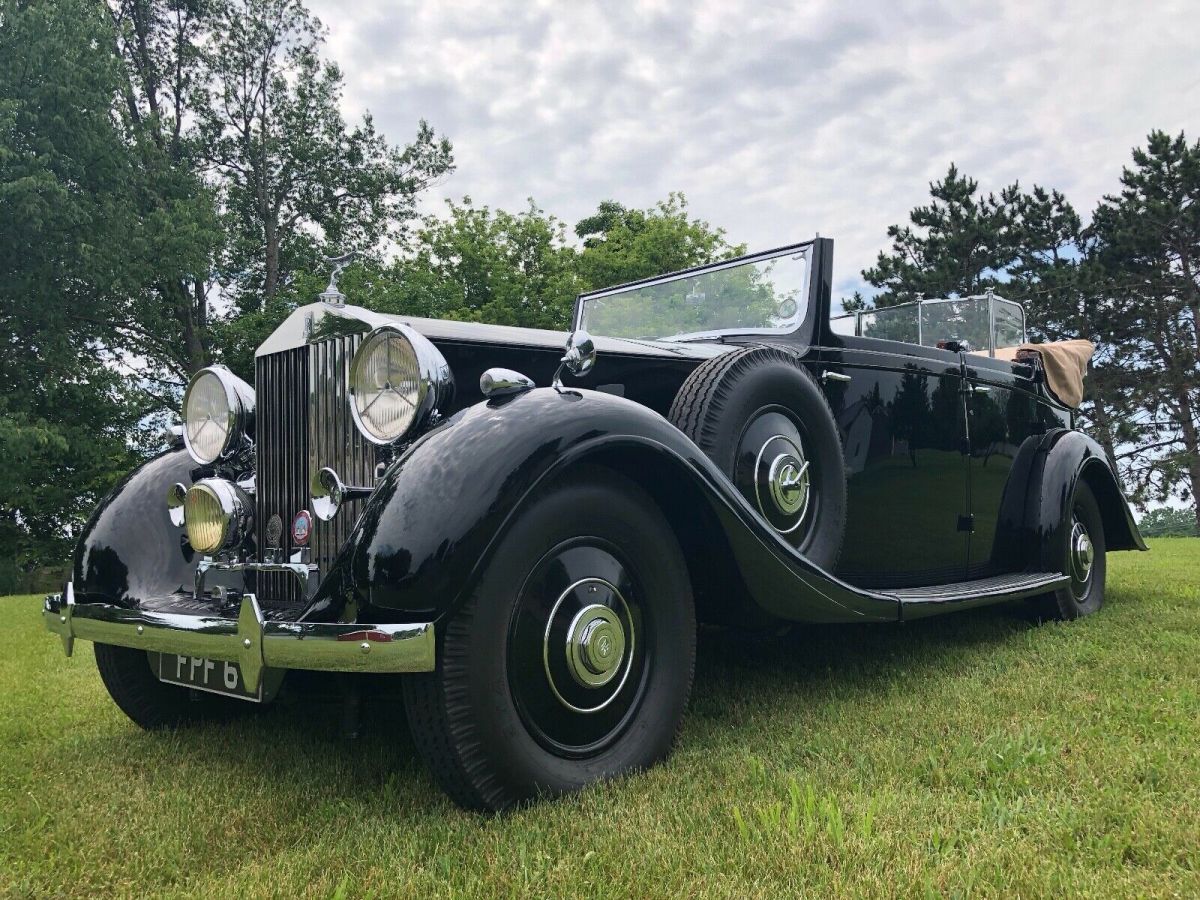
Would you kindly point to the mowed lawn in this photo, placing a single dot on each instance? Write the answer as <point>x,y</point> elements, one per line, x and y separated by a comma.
<point>977,755</point>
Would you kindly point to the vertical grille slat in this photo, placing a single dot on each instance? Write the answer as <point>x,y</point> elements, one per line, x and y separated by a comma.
<point>304,423</point>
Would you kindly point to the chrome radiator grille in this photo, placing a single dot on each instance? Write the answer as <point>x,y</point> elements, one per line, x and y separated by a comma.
<point>303,423</point>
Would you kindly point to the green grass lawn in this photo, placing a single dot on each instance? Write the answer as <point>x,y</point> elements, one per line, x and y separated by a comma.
<point>976,755</point>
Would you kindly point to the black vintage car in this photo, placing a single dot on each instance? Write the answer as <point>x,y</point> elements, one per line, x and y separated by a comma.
<point>398,495</point>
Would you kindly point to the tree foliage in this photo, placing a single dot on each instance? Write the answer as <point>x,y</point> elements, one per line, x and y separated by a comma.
<point>292,176</point>
<point>69,235</point>
<point>1167,521</point>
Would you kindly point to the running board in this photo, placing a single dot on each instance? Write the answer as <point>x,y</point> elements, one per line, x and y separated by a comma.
<point>915,603</point>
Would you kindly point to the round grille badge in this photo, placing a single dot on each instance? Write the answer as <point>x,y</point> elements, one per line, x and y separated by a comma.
<point>301,528</point>
<point>274,530</point>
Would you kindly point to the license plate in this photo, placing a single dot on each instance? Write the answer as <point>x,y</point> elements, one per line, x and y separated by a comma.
<point>213,675</point>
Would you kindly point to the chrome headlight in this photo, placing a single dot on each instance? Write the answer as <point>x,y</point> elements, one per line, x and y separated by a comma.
<point>218,408</point>
<point>398,379</point>
<point>216,514</point>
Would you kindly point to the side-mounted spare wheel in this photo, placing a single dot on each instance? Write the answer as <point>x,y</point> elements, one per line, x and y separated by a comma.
<point>572,660</point>
<point>759,415</point>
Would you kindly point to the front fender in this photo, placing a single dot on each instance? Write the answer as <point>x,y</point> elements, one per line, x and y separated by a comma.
<point>1065,458</point>
<point>129,551</point>
<point>436,516</point>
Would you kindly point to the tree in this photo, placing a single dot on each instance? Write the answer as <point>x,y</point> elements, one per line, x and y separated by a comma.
<point>481,265</point>
<point>69,229</point>
<point>291,176</point>
<point>1165,521</point>
<point>1148,269</point>
<point>621,244</point>
<point>164,323</point>
<point>956,246</point>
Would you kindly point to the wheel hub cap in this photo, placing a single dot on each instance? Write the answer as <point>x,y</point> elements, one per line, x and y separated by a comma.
<point>782,482</point>
<point>1082,553</point>
<point>595,646</point>
<point>788,480</point>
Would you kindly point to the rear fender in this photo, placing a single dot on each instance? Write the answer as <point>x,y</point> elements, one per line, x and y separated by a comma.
<point>1064,458</point>
<point>435,518</point>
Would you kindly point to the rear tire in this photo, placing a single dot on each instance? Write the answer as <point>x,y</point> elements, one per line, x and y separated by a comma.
<point>572,660</point>
<point>1083,552</point>
<point>154,704</point>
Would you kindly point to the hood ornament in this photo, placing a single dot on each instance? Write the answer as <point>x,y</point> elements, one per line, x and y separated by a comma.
<point>331,294</point>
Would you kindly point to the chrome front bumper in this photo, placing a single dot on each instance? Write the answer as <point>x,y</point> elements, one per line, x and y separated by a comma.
<point>249,640</point>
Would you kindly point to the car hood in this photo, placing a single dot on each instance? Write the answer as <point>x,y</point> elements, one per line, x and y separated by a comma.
<point>319,321</point>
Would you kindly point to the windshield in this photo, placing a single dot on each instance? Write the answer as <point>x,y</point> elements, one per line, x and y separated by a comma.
<point>767,293</point>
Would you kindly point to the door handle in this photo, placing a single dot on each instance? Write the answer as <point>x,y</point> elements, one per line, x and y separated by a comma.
<point>980,389</point>
<point>828,376</point>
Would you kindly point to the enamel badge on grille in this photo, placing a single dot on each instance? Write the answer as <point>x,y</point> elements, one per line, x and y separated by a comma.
<point>301,528</point>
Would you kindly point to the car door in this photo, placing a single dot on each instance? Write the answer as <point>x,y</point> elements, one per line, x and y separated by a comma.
<point>1006,417</point>
<point>899,408</point>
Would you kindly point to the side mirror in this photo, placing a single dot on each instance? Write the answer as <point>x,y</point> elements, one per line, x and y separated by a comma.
<point>579,358</point>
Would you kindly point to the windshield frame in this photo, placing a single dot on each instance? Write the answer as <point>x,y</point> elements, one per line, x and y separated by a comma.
<point>810,291</point>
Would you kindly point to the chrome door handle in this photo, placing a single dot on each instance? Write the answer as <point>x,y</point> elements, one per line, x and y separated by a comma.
<point>828,376</point>
<point>980,389</point>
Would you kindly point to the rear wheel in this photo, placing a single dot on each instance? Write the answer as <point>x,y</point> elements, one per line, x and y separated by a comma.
<point>573,659</point>
<point>1085,561</point>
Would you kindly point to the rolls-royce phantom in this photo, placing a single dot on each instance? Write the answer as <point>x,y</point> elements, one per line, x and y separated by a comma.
<point>528,525</point>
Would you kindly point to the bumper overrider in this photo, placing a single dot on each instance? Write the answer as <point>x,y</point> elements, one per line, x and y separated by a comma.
<point>249,640</point>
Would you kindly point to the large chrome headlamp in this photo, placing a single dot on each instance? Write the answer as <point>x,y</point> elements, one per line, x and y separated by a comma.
<point>216,514</point>
<point>218,409</point>
<point>398,379</point>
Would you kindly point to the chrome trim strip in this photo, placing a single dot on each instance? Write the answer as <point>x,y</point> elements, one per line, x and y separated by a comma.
<point>250,641</point>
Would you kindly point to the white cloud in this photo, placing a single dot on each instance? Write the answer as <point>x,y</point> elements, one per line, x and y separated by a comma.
<point>777,120</point>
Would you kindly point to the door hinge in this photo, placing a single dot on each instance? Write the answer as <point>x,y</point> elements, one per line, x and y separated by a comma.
<point>966,523</point>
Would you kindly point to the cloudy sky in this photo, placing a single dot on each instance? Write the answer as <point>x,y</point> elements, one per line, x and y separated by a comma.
<point>776,120</point>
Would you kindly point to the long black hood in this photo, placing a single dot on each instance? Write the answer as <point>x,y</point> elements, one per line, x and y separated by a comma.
<point>648,372</point>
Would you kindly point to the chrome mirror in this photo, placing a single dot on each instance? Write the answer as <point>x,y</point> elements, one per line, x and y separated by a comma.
<point>327,492</point>
<point>579,358</point>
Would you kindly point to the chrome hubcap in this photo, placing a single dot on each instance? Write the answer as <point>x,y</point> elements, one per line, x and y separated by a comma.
<point>788,479</point>
<point>598,647</point>
<point>595,646</point>
<point>783,487</point>
<point>1082,554</point>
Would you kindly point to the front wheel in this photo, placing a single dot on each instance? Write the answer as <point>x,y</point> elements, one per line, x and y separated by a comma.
<point>151,703</point>
<point>572,660</point>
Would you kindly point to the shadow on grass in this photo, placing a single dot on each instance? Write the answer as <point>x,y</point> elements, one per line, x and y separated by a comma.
<point>301,737</point>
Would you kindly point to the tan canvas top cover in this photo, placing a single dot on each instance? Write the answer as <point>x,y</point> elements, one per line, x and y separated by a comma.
<point>1065,364</point>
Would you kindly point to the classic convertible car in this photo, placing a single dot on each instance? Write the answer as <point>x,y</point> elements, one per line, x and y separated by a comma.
<point>398,495</point>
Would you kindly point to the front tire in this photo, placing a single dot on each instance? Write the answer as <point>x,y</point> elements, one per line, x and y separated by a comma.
<point>149,702</point>
<point>572,660</point>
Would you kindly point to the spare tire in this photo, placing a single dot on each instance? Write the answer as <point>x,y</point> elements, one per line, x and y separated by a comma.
<point>759,415</point>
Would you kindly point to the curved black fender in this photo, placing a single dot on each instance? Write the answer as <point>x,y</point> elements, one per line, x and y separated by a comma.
<point>435,517</point>
<point>129,551</point>
<point>1064,458</point>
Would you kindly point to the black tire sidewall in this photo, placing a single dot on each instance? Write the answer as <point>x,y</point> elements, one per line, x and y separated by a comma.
<point>619,514</point>
<point>1084,507</point>
<point>151,703</point>
<point>774,382</point>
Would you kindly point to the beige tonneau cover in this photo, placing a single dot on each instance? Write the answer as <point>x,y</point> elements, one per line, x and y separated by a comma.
<point>1064,362</point>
